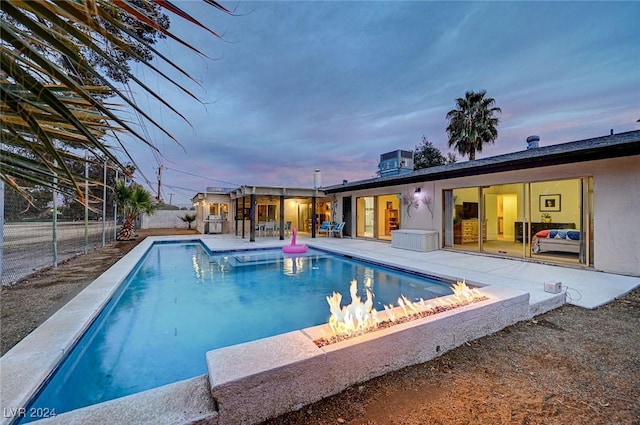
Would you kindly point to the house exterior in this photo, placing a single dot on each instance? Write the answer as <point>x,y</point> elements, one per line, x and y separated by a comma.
<point>574,203</point>
<point>240,211</point>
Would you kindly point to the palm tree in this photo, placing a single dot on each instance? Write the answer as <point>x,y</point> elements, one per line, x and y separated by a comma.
<point>473,123</point>
<point>133,200</point>
<point>188,218</point>
<point>53,99</point>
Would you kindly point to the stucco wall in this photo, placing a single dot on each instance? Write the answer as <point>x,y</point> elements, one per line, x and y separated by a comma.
<point>616,223</point>
<point>166,219</point>
<point>616,204</point>
<point>411,217</point>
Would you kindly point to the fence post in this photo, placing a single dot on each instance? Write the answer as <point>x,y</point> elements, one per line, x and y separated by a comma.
<point>115,212</point>
<point>86,202</point>
<point>55,216</point>
<point>104,205</point>
<point>1,226</point>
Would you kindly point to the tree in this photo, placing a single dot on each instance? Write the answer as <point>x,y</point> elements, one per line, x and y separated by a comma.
<point>74,210</point>
<point>163,206</point>
<point>473,123</point>
<point>112,62</point>
<point>426,155</point>
<point>139,31</point>
<point>18,207</point>
<point>188,218</point>
<point>133,200</point>
<point>51,91</point>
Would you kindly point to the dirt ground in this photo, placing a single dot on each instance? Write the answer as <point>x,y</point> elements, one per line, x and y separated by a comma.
<point>568,366</point>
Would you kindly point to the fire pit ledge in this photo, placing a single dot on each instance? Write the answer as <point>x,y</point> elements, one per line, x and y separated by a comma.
<point>262,379</point>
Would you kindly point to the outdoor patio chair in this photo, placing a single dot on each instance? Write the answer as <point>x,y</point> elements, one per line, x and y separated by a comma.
<point>337,229</point>
<point>270,228</point>
<point>325,227</point>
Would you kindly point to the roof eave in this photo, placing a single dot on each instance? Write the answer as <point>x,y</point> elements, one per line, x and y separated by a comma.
<point>601,152</point>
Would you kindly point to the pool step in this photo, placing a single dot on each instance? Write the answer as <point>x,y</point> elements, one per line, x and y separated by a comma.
<point>261,258</point>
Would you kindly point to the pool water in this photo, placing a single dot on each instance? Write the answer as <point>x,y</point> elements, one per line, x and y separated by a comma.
<point>182,301</point>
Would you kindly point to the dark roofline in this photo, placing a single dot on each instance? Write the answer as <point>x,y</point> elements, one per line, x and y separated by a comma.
<point>605,147</point>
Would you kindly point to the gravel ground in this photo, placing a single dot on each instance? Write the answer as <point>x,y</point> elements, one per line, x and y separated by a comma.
<point>568,366</point>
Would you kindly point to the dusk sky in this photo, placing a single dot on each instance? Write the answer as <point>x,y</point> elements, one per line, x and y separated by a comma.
<point>295,86</point>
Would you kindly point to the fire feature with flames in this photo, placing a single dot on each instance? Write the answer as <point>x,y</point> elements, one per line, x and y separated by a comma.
<point>360,317</point>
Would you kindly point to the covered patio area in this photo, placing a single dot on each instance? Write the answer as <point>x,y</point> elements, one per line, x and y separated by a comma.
<point>274,211</point>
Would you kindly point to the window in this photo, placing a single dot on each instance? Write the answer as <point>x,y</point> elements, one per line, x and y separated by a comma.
<point>267,212</point>
<point>221,209</point>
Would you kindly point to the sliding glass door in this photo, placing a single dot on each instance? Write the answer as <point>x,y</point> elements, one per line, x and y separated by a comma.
<point>558,228</point>
<point>504,212</point>
<point>377,216</point>
<point>466,219</point>
<point>365,217</point>
<point>547,220</point>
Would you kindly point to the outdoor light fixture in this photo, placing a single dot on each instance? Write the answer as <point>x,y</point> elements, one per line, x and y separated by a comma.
<point>417,192</point>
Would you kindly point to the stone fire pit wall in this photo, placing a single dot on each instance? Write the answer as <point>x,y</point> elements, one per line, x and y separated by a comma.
<point>262,379</point>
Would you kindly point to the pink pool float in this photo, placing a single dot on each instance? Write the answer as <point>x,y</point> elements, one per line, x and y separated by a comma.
<point>294,248</point>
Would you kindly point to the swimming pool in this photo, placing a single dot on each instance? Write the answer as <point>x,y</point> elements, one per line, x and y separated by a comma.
<point>182,301</point>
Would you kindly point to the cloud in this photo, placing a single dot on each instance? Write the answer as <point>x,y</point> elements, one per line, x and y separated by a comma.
<point>297,86</point>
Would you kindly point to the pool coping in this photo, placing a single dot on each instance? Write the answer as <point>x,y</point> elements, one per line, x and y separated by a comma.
<point>25,367</point>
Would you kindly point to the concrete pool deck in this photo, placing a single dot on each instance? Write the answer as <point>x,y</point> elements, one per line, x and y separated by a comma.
<point>25,366</point>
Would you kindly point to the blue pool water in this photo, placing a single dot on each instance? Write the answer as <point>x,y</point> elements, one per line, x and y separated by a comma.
<point>182,301</point>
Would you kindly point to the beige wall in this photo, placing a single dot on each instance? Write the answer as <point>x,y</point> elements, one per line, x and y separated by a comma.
<point>616,205</point>
<point>616,223</point>
<point>166,219</point>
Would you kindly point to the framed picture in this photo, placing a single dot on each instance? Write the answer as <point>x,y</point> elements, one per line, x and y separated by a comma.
<point>550,203</point>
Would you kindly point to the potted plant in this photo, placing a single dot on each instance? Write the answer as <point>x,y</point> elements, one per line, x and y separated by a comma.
<point>546,218</point>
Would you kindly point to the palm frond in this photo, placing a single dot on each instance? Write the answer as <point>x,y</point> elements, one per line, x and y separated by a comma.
<point>49,114</point>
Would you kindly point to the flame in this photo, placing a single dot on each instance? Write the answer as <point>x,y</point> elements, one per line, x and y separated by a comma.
<point>389,310</point>
<point>359,316</point>
<point>355,317</point>
<point>463,293</point>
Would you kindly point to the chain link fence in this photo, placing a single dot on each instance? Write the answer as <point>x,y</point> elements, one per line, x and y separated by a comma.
<point>51,231</point>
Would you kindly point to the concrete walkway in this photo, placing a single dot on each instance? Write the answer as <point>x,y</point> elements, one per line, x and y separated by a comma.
<point>584,288</point>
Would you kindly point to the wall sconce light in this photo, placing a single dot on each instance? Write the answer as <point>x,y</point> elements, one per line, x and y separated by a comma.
<point>416,193</point>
